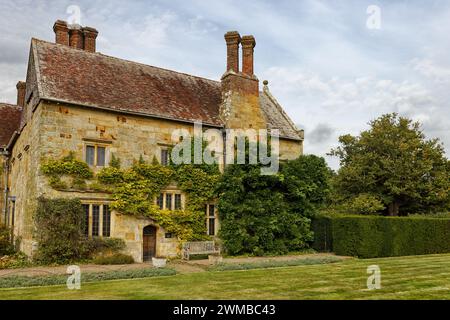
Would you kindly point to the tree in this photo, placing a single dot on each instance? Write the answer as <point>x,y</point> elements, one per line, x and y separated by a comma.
<point>307,184</point>
<point>262,214</point>
<point>393,162</point>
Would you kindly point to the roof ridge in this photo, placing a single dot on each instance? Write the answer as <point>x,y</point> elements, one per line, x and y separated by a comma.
<point>6,104</point>
<point>126,60</point>
<point>280,108</point>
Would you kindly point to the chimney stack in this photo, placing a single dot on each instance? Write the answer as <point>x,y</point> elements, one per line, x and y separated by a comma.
<point>61,30</point>
<point>90,36</point>
<point>76,37</point>
<point>248,44</point>
<point>232,39</point>
<point>240,108</point>
<point>21,88</point>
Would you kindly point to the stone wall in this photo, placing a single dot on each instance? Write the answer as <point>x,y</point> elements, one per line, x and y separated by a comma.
<point>23,176</point>
<point>2,188</point>
<point>290,149</point>
<point>131,230</point>
<point>55,130</point>
<point>69,128</point>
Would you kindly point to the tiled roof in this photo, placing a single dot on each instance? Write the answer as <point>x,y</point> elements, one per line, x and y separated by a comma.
<point>93,79</point>
<point>9,122</point>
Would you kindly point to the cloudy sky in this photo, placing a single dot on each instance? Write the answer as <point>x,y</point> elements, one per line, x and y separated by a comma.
<point>333,65</point>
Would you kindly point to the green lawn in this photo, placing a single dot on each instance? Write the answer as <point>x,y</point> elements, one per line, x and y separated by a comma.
<point>416,277</point>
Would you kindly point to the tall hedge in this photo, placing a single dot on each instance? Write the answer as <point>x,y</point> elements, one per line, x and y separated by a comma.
<point>373,236</point>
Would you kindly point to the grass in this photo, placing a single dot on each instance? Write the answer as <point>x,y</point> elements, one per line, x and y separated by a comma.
<point>412,277</point>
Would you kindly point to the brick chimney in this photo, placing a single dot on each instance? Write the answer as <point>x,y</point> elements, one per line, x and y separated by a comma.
<point>61,32</point>
<point>21,88</point>
<point>240,108</point>
<point>76,37</point>
<point>90,36</point>
<point>232,39</point>
<point>248,44</point>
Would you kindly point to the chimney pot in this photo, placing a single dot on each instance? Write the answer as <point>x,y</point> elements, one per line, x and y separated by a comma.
<point>21,89</point>
<point>61,30</point>
<point>233,39</point>
<point>90,36</point>
<point>248,44</point>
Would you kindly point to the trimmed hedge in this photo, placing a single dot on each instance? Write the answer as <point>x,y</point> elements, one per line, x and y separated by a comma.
<point>375,236</point>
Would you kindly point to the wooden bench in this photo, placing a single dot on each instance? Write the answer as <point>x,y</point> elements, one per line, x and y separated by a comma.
<point>199,247</point>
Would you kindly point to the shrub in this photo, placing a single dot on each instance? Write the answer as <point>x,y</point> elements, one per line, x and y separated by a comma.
<point>59,230</point>
<point>116,258</point>
<point>17,260</point>
<point>374,236</point>
<point>102,246</point>
<point>6,247</point>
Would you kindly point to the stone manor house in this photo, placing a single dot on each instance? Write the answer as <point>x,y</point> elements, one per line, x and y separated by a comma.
<point>78,100</point>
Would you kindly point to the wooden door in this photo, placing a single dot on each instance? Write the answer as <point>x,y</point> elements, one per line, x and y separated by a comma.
<point>149,242</point>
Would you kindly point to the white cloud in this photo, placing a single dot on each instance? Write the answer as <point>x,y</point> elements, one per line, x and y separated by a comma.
<point>325,67</point>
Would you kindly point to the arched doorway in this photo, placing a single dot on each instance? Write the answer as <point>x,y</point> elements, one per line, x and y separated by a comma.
<point>149,242</point>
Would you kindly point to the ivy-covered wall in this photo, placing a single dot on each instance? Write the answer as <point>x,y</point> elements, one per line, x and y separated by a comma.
<point>133,190</point>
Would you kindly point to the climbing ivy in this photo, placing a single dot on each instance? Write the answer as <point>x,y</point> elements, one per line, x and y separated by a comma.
<point>78,170</point>
<point>135,189</point>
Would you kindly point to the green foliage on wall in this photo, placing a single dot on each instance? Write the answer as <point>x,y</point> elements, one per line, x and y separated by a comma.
<point>59,233</point>
<point>77,170</point>
<point>375,236</point>
<point>134,190</point>
<point>6,246</point>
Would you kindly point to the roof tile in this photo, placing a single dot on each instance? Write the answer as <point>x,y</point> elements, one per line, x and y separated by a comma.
<point>9,121</point>
<point>75,76</point>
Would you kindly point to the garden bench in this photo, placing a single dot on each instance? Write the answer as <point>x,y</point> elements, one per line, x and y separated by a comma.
<point>199,247</point>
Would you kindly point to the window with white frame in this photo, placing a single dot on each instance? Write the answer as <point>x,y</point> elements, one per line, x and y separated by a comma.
<point>170,201</point>
<point>97,220</point>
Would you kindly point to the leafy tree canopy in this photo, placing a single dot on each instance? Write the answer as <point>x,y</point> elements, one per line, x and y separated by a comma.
<point>262,214</point>
<point>394,163</point>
